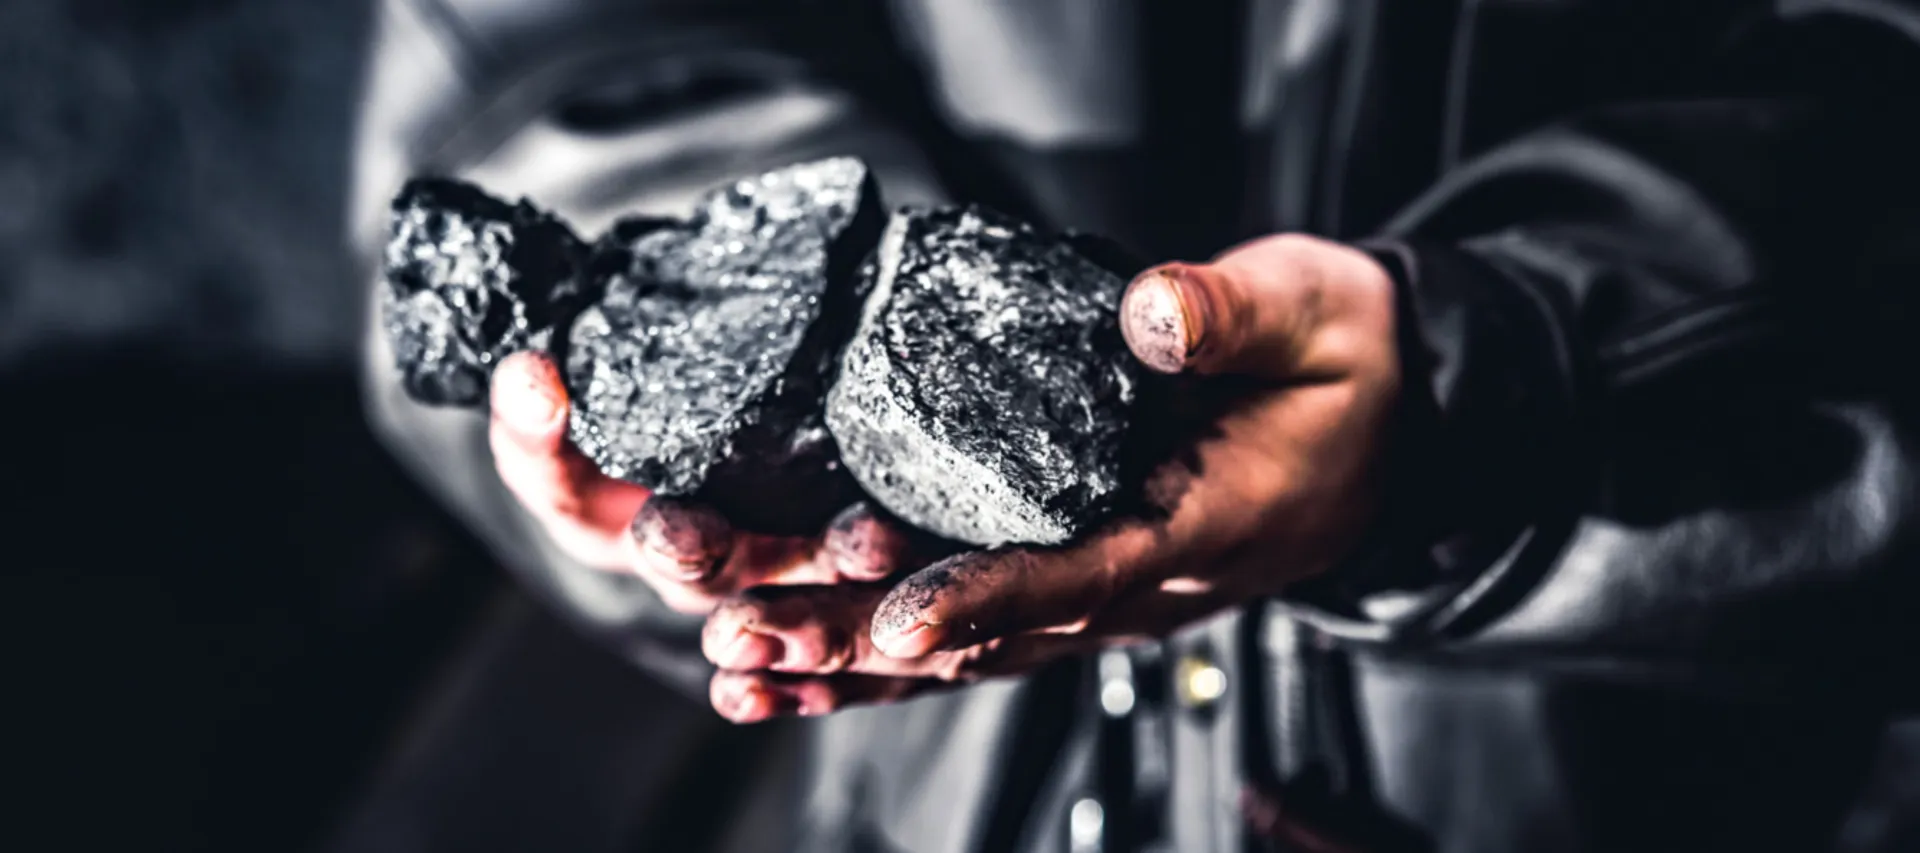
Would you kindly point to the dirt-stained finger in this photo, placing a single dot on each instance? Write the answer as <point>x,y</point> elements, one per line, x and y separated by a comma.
<point>865,543</point>
<point>750,697</point>
<point>683,541</point>
<point>585,512</point>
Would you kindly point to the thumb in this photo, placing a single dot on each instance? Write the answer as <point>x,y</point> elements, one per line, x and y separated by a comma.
<point>1287,307</point>
<point>530,401</point>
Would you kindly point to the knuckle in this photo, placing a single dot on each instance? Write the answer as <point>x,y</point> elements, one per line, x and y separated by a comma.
<point>1293,243</point>
<point>1291,252</point>
<point>1285,265</point>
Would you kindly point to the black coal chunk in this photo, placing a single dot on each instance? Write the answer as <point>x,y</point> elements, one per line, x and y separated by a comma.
<point>471,279</point>
<point>702,368</point>
<point>987,394</point>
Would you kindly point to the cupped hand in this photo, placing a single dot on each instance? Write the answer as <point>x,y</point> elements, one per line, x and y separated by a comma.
<point>689,554</point>
<point>1279,489</point>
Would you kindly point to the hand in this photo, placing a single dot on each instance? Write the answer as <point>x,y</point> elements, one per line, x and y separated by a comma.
<point>688,553</point>
<point>1280,489</point>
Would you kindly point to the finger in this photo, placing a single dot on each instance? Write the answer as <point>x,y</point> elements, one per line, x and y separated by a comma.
<point>1286,307</point>
<point>1238,485</point>
<point>750,697</point>
<point>681,542</point>
<point>583,510</point>
<point>825,630</point>
<point>529,403</point>
<point>817,629</point>
<point>742,700</point>
<point>773,560</point>
<point>864,544</point>
<point>692,553</point>
<point>981,596</point>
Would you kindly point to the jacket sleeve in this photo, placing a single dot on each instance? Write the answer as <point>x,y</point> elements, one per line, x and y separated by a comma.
<point>1654,413</point>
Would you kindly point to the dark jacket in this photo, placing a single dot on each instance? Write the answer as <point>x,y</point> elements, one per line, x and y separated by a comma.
<point>1646,579</point>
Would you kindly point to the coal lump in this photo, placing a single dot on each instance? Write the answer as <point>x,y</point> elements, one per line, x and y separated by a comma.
<point>470,279</point>
<point>702,367</point>
<point>986,395</point>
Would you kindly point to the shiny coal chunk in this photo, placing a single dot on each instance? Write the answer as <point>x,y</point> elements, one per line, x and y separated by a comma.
<point>987,393</point>
<point>701,369</point>
<point>471,279</point>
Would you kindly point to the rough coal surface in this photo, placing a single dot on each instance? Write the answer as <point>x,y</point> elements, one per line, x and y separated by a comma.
<point>471,279</point>
<point>702,368</point>
<point>987,393</point>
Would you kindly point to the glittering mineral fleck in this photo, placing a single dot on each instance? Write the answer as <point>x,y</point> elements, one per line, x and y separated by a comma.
<point>987,391</point>
<point>471,279</point>
<point>701,369</point>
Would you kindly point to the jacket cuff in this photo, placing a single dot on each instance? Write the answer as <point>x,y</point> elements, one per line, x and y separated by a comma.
<point>1486,447</point>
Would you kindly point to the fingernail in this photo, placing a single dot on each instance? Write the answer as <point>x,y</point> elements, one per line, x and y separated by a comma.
<point>751,650</point>
<point>905,625</point>
<point>918,640</point>
<point>1158,319</point>
<point>689,544</point>
<point>520,398</point>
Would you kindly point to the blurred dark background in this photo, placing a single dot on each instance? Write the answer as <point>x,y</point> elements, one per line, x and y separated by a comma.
<point>239,627</point>
<point>174,174</point>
